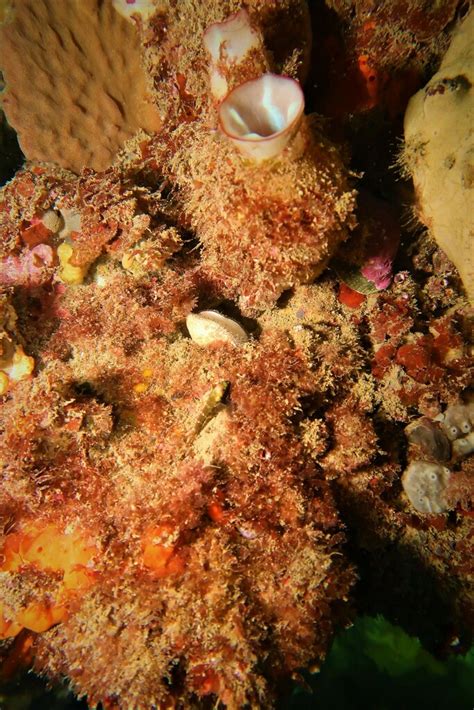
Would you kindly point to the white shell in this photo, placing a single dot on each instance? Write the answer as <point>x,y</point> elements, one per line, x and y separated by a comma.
<point>260,116</point>
<point>72,222</point>
<point>229,42</point>
<point>425,484</point>
<point>209,327</point>
<point>128,8</point>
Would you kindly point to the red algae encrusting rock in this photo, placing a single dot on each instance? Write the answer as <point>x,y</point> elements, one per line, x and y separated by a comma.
<point>207,473</point>
<point>181,586</point>
<point>379,52</point>
<point>216,551</point>
<point>352,430</point>
<point>264,227</point>
<point>396,34</point>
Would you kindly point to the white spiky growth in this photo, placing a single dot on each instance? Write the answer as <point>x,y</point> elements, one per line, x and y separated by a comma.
<point>260,116</point>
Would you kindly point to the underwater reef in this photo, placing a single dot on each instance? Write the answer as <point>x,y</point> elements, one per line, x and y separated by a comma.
<point>236,402</point>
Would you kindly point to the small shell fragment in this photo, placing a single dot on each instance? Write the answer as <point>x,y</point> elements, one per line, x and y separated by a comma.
<point>209,327</point>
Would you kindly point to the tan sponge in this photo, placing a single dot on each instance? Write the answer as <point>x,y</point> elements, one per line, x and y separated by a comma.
<point>75,86</point>
<point>439,152</point>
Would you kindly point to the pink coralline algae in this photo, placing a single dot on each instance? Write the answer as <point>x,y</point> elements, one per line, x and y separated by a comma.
<point>31,268</point>
<point>366,261</point>
<point>378,269</point>
<point>382,242</point>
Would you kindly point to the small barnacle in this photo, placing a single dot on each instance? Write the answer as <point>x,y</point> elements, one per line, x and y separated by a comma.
<point>209,327</point>
<point>425,485</point>
<point>248,533</point>
<point>52,220</point>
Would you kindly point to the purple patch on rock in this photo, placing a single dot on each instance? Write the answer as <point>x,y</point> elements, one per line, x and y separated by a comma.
<point>382,242</point>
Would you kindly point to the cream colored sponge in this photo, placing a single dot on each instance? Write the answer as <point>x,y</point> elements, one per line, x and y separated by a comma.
<point>439,152</point>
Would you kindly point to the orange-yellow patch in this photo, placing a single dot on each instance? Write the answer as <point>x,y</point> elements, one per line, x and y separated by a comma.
<point>159,555</point>
<point>47,548</point>
<point>216,512</point>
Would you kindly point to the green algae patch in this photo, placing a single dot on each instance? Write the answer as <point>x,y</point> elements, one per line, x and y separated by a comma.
<point>376,665</point>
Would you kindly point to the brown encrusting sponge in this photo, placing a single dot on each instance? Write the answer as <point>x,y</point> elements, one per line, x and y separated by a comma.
<point>75,87</point>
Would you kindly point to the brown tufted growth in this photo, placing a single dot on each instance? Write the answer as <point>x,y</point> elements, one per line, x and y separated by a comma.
<point>75,87</point>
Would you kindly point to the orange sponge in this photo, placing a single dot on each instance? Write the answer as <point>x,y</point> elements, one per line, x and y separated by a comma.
<point>50,549</point>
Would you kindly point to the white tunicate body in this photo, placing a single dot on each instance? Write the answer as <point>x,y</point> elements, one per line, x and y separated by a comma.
<point>234,38</point>
<point>229,42</point>
<point>464,446</point>
<point>260,116</point>
<point>425,485</point>
<point>457,420</point>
